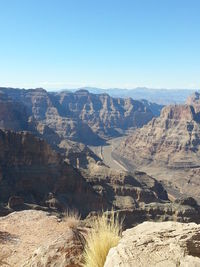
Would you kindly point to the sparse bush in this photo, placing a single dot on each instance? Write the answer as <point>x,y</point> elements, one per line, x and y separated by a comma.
<point>105,233</point>
<point>72,218</point>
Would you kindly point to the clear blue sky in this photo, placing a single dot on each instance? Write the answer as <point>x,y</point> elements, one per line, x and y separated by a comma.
<point>102,43</point>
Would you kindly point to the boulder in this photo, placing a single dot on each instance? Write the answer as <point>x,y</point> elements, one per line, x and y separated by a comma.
<point>157,244</point>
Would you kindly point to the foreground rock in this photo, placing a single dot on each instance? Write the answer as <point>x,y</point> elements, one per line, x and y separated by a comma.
<point>64,251</point>
<point>157,244</point>
<point>34,238</point>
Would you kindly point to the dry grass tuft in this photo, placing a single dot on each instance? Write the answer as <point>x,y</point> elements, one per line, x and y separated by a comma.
<point>105,234</point>
<point>72,218</point>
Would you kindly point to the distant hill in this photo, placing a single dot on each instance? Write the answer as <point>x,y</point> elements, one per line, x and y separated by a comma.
<point>159,96</point>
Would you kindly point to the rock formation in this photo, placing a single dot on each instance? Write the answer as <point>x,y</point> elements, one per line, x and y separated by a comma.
<point>77,154</point>
<point>44,167</point>
<point>122,189</point>
<point>65,119</point>
<point>103,113</point>
<point>137,197</point>
<point>157,244</point>
<point>168,148</point>
<point>13,114</point>
<point>33,176</point>
<point>31,170</point>
<point>194,100</point>
<point>80,116</point>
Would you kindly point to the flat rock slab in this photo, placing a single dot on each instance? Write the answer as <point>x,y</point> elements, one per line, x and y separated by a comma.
<point>34,238</point>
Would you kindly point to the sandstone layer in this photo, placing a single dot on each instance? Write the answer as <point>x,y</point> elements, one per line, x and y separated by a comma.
<point>138,197</point>
<point>32,171</point>
<point>168,148</point>
<point>33,176</point>
<point>80,116</point>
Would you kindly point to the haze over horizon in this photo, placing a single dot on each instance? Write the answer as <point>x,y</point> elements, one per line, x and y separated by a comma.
<point>105,44</point>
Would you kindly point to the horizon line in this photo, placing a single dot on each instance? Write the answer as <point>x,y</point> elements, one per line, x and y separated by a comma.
<point>97,88</point>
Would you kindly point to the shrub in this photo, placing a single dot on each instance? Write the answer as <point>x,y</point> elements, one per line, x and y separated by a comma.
<point>105,233</point>
<point>72,218</point>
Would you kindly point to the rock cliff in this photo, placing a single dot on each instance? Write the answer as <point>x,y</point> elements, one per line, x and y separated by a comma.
<point>168,148</point>
<point>194,100</point>
<point>13,114</point>
<point>81,116</point>
<point>33,176</point>
<point>30,169</point>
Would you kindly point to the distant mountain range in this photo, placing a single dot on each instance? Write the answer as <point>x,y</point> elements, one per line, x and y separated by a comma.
<point>159,96</point>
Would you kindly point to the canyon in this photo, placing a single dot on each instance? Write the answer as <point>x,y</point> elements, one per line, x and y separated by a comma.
<point>86,152</point>
<point>33,176</point>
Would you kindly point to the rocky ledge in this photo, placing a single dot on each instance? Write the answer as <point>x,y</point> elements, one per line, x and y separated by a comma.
<point>35,238</point>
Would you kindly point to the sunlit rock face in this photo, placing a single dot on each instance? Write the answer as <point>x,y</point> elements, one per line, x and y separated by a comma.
<point>80,116</point>
<point>168,148</point>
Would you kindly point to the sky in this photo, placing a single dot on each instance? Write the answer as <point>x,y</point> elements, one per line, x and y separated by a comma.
<point>57,44</point>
